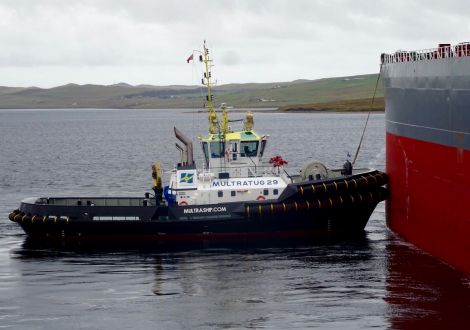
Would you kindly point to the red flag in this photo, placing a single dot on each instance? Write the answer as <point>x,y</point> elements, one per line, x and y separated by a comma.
<point>190,58</point>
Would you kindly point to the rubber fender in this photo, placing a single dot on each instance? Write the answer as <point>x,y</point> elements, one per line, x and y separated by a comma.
<point>12,215</point>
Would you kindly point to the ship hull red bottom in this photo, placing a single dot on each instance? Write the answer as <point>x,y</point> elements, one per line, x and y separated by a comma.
<point>429,203</point>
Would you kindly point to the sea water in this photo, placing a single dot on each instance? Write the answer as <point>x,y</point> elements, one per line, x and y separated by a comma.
<point>372,281</point>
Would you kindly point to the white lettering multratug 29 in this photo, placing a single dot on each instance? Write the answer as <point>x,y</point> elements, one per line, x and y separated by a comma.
<point>266,182</point>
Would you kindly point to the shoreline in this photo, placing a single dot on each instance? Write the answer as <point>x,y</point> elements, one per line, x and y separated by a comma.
<point>238,110</point>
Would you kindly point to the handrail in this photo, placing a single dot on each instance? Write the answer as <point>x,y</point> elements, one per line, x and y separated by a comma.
<point>444,51</point>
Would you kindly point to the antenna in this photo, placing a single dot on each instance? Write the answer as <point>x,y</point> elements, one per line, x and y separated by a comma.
<point>216,125</point>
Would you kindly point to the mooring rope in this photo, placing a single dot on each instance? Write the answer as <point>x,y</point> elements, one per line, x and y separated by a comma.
<point>368,115</point>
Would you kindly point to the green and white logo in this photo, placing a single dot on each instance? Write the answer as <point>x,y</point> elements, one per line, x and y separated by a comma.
<point>187,178</point>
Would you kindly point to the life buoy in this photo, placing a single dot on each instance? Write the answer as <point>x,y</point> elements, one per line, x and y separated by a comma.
<point>183,203</point>
<point>260,198</point>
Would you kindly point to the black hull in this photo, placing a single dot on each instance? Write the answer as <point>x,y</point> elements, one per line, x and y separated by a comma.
<point>345,220</point>
<point>327,207</point>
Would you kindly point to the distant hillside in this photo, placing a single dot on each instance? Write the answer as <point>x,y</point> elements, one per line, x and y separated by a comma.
<point>345,105</point>
<point>256,95</point>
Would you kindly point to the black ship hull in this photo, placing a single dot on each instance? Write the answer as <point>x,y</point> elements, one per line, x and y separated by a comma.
<point>344,221</point>
<point>303,209</point>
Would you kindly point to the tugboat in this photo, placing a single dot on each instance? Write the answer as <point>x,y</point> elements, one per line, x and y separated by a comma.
<point>236,193</point>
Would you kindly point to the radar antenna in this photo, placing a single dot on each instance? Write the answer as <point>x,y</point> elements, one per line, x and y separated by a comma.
<point>216,124</point>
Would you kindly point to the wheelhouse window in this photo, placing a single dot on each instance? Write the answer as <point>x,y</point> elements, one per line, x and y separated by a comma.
<point>234,149</point>
<point>263,146</point>
<point>217,149</point>
<point>205,149</point>
<point>249,148</point>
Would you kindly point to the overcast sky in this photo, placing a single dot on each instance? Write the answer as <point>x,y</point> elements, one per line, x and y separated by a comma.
<point>48,43</point>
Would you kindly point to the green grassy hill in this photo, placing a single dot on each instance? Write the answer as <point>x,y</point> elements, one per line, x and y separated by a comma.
<point>366,104</point>
<point>301,93</point>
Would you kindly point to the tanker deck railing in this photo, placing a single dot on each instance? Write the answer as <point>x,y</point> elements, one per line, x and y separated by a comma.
<point>443,51</point>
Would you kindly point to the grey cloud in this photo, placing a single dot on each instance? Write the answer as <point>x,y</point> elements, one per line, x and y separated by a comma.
<point>148,40</point>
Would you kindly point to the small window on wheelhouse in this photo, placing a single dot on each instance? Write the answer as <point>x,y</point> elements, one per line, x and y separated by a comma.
<point>205,149</point>
<point>234,149</point>
<point>248,148</point>
<point>263,146</point>
<point>217,149</point>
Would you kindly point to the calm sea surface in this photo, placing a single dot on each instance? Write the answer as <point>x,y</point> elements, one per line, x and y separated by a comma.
<point>375,281</point>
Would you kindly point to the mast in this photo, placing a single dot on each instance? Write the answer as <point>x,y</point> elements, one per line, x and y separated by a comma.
<point>216,125</point>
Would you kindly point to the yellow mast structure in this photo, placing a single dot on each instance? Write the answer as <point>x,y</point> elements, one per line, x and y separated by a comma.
<point>216,125</point>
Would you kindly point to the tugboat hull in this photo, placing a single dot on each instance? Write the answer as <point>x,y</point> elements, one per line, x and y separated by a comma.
<point>344,221</point>
<point>304,209</point>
